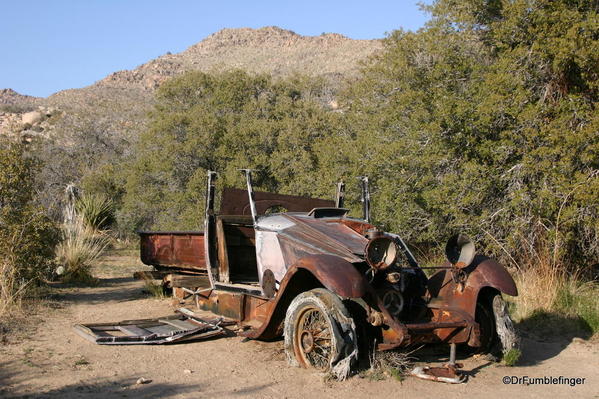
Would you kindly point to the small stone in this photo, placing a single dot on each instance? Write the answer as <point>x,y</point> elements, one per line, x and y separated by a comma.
<point>142,380</point>
<point>187,371</point>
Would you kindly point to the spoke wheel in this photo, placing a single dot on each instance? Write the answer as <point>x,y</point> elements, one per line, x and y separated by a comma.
<point>312,339</point>
<point>319,332</point>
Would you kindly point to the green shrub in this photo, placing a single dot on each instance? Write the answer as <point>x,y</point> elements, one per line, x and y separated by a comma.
<point>27,236</point>
<point>580,299</point>
<point>511,357</point>
<point>223,122</point>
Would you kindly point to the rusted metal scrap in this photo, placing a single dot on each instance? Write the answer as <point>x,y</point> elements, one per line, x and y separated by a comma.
<point>448,374</point>
<point>184,326</point>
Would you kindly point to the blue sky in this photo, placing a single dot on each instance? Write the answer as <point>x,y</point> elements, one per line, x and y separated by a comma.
<point>48,46</point>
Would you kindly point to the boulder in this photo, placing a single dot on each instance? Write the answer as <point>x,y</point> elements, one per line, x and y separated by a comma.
<point>31,118</point>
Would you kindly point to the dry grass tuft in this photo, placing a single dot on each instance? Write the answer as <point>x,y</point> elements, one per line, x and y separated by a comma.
<point>11,289</point>
<point>538,290</point>
<point>154,288</point>
<point>552,301</point>
<point>389,364</point>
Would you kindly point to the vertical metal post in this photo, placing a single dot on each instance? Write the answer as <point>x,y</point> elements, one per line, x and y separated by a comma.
<point>365,198</point>
<point>452,350</point>
<point>248,177</point>
<point>210,192</point>
<point>209,229</point>
<point>340,195</point>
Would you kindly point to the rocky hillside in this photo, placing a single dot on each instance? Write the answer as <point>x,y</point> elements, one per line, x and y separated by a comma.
<point>271,49</point>
<point>10,97</point>
<point>118,104</point>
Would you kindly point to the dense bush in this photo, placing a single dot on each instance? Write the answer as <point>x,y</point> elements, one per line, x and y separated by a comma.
<point>485,121</point>
<point>222,122</point>
<point>27,236</point>
<point>81,147</point>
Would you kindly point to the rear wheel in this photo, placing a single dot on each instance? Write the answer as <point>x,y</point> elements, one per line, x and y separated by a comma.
<point>320,333</point>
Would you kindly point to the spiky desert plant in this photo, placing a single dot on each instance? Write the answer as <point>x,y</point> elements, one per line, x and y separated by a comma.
<point>81,246</point>
<point>97,210</point>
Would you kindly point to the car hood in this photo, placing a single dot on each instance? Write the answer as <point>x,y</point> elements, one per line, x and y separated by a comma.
<point>302,234</point>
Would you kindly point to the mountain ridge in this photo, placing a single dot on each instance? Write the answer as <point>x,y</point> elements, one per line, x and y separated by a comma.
<point>269,49</point>
<point>123,98</point>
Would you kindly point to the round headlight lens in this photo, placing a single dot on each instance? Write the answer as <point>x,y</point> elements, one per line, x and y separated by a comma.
<point>381,252</point>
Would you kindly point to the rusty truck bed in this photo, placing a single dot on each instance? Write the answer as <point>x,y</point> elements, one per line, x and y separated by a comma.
<point>173,249</point>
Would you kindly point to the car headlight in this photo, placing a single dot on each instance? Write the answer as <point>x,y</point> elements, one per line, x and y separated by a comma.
<point>381,252</point>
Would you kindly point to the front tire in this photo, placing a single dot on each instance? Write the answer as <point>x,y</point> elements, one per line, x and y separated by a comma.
<point>497,333</point>
<point>320,333</point>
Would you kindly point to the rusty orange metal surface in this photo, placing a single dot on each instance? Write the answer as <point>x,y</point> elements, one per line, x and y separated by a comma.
<point>236,306</point>
<point>300,278</point>
<point>173,249</point>
<point>235,202</point>
<point>446,292</point>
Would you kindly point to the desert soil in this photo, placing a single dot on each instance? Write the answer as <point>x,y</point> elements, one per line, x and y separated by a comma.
<point>49,360</point>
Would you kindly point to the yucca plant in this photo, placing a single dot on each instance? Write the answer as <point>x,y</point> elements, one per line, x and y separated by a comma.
<point>81,246</point>
<point>97,210</point>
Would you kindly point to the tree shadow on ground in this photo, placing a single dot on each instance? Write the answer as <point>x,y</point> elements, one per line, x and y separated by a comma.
<point>546,334</point>
<point>120,289</point>
<point>13,384</point>
<point>250,391</point>
<point>108,389</point>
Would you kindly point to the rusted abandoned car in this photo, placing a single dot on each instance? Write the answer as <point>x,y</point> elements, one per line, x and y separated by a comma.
<point>332,285</point>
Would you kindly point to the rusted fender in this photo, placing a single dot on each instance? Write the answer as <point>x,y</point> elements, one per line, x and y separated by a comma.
<point>336,274</point>
<point>489,273</point>
<point>332,272</point>
<point>481,273</point>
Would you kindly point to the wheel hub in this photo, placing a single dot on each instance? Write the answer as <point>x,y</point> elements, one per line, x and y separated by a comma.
<point>307,340</point>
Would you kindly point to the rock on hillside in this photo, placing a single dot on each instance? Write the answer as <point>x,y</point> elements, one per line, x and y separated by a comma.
<point>13,106</point>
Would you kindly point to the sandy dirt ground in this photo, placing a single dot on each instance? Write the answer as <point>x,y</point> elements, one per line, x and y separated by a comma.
<point>50,361</point>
